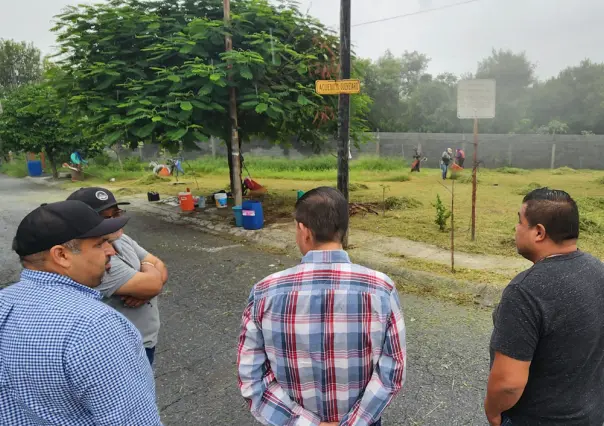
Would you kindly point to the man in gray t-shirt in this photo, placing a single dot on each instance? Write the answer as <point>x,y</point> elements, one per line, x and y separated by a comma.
<point>547,347</point>
<point>136,277</point>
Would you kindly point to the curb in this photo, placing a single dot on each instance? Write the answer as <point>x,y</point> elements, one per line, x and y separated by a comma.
<point>276,238</point>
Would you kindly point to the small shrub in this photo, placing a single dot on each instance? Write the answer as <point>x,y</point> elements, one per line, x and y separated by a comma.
<point>512,171</point>
<point>529,188</point>
<point>402,203</point>
<point>563,171</point>
<point>442,214</point>
<point>17,169</point>
<point>357,187</point>
<point>133,164</point>
<point>102,159</point>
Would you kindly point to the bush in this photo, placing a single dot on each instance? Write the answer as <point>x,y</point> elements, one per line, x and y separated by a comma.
<point>402,203</point>
<point>17,169</point>
<point>133,164</point>
<point>529,188</point>
<point>102,159</point>
<point>442,214</point>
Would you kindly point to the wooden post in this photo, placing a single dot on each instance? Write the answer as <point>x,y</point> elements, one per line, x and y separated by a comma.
<point>553,163</point>
<point>510,154</point>
<point>474,179</point>
<point>213,142</point>
<point>453,225</point>
<point>344,107</point>
<point>377,143</point>
<point>235,154</point>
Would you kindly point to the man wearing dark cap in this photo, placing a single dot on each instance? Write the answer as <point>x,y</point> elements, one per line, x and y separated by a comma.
<point>53,324</point>
<point>136,277</point>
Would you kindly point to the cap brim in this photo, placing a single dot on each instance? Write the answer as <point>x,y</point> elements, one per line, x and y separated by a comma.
<point>108,206</point>
<point>106,227</point>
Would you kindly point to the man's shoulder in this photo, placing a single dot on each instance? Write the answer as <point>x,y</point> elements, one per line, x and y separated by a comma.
<point>349,275</point>
<point>69,306</point>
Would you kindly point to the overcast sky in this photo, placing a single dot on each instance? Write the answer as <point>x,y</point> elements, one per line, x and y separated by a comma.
<point>554,33</point>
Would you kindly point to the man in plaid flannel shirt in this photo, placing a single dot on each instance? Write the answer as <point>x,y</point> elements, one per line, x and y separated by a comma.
<point>322,343</point>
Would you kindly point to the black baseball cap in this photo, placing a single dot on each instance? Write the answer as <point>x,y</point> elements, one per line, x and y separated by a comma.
<point>57,223</point>
<point>98,198</point>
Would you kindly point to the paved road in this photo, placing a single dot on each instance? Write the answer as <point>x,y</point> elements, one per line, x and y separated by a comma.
<point>210,279</point>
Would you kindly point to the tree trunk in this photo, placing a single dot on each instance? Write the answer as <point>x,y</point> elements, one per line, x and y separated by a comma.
<point>230,159</point>
<point>53,164</point>
<point>116,149</point>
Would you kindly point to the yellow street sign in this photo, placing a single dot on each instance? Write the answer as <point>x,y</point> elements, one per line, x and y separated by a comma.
<point>333,87</point>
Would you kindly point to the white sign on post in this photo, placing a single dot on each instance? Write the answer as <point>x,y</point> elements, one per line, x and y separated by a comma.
<point>476,99</point>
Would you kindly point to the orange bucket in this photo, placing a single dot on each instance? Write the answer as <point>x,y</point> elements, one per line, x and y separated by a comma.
<point>186,201</point>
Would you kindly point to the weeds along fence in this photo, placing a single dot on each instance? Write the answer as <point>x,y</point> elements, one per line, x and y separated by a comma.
<point>495,151</point>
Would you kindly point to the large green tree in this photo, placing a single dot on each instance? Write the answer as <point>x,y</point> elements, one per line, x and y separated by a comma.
<point>20,63</point>
<point>158,70</point>
<point>515,74</point>
<point>574,97</point>
<point>33,120</point>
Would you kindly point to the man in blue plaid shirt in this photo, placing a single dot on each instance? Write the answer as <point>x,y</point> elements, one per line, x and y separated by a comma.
<point>65,357</point>
<point>322,343</point>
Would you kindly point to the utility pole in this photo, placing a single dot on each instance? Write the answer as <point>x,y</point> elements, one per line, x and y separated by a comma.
<point>235,154</point>
<point>344,104</point>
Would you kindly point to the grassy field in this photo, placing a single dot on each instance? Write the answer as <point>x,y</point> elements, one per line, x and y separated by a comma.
<point>411,196</point>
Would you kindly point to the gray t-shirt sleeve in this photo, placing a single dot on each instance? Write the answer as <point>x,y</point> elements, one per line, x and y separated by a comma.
<point>517,324</point>
<point>119,274</point>
<point>140,252</point>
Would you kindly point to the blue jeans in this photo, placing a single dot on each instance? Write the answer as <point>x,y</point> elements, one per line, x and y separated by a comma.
<point>444,168</point>
<point>378,423</point>
<point>150,354</point>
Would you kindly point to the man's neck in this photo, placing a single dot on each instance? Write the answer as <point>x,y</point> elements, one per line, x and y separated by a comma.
<point>327,247</point>
<point>557,250</point>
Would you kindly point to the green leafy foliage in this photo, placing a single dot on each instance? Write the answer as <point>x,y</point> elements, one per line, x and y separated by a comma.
<point>158,71</point>
<point>33,121</point>
<point>442,214</point>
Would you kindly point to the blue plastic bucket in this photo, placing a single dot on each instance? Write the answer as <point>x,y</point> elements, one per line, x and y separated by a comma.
<point>253,216</point>
<point>238,213</point>
<point>34,168</point>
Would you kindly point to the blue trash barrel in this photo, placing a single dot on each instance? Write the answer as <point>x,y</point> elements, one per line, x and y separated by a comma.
<point>34,168</point>
<point>253,216</point>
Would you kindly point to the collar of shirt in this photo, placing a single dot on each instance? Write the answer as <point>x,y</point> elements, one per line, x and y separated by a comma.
<point>49,278</point>
<point>326,256</point>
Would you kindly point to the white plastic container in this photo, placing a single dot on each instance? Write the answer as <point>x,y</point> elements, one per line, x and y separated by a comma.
<point>221,200</point>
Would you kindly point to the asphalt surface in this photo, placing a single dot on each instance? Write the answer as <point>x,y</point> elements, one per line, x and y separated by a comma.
<point>210,280</point>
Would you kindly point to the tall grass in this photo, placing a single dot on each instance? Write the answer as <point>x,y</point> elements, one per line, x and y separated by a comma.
<point>18,168</point>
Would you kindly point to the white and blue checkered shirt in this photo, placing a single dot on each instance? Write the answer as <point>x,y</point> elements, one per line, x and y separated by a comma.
<point>68,359</point>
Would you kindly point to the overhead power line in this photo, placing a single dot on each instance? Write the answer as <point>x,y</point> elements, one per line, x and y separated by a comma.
<point>421,12</point>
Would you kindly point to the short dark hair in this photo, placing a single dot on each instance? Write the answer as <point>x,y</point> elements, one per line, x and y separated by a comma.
<point>324,211</point>
<point>556,211</point>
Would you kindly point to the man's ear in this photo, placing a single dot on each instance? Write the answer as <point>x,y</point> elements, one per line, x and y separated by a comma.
<point>61,256</point>
<point>540,234</point>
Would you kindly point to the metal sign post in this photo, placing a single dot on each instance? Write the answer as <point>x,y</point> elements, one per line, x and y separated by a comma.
<point>475,99</point>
